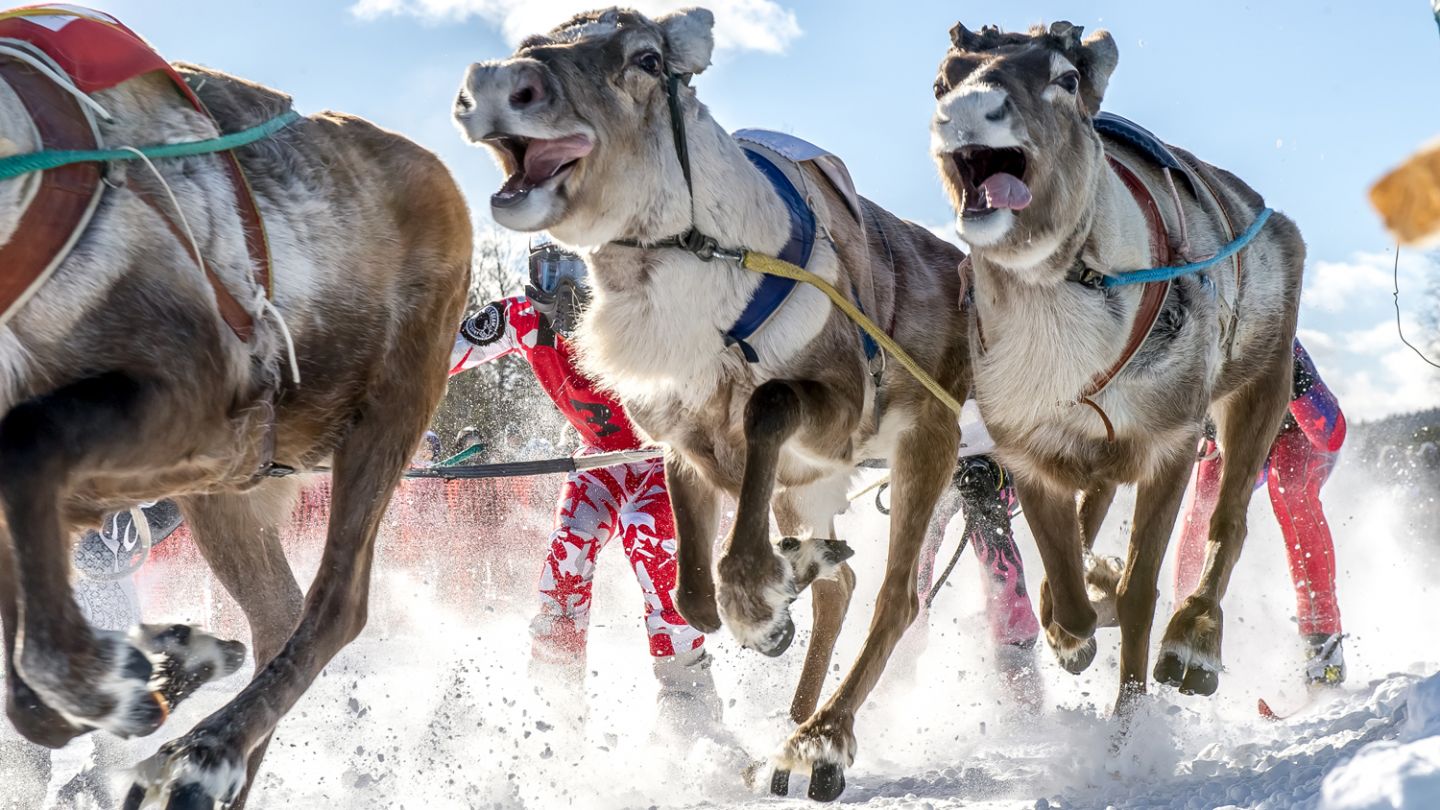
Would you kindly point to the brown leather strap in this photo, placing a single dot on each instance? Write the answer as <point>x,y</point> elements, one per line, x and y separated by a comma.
<point>1152,296</point>
<point>235,316</point>
<point>253,226</point>
<point>67,194</point>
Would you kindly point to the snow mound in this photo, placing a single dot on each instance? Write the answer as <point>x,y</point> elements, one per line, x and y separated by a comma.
<point>1401,774</point>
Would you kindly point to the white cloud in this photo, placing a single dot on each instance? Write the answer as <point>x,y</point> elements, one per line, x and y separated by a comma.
<point>1334,286</point>
<point>753,25</point>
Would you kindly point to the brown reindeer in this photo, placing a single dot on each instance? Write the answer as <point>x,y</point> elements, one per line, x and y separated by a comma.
<point>1051,211</point>
<point>121,382</point>
<point>581,121</point>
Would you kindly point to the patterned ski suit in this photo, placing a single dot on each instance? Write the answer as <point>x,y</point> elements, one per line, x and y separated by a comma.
<point>1300,462</point>
<point>624,501</point>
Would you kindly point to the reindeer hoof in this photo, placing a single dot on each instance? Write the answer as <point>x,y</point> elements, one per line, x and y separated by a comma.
<point>1079,660</point>
<point>779,642</point>
<point>1190,679</point>
<point>134,798</point>
<point>827,782</point>
<point>190,797</point>
<point>780,782</point>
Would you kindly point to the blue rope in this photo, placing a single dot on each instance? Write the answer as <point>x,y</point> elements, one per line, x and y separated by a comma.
<point>18,165</point>
<point>1168,273</point>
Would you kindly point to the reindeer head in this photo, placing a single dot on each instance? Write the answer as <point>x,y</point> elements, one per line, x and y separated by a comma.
<point>579,121</point>
<point>1012,133</point>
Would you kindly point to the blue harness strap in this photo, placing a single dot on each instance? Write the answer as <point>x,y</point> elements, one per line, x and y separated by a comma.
<point>773,290</point>
<point>1129,133</point>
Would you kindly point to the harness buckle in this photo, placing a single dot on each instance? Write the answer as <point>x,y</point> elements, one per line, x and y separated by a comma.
<point>698,243</point>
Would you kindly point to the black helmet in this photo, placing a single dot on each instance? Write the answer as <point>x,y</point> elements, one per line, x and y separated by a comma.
<point>557,285</point>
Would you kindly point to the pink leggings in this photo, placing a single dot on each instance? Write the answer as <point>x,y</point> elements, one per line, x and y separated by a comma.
<point>1296,471</point>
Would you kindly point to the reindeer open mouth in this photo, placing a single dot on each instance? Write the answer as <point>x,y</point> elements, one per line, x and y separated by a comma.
<point>535,162</point>
<point>992,179</point>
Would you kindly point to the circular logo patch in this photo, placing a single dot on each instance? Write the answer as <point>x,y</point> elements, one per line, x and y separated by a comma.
<point>485,327</point>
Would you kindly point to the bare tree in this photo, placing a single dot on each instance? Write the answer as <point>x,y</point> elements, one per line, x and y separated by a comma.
<point>496,395</point>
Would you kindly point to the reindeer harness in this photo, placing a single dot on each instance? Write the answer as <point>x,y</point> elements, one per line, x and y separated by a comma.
<point>778,156</point>
<point>1164,249</point>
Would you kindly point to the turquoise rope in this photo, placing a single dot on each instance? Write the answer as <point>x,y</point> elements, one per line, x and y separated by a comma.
<point>1168,273</point>
<point>17,165</point>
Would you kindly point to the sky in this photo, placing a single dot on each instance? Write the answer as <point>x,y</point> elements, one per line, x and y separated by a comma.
<point>1308,101</point>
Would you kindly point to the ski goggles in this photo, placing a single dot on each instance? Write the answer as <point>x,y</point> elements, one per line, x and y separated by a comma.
<point>549,267</point>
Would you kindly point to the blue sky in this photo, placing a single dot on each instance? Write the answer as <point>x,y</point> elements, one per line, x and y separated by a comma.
<point>1309,102</point>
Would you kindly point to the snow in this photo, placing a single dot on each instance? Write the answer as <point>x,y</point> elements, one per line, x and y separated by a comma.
<point>433,707</point>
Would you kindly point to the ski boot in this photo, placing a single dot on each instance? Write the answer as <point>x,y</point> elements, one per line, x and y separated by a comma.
<point>1326,665</point>
<point>687,705</point>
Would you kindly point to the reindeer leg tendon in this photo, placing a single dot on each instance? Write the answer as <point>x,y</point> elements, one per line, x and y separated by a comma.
<point>239,537</point>
<point>208,766</point>
<point>923,462</point>
<point>90,678</point>
<point>1157,503</point>
<point>1065,610</point>
<point>696,506</point>
<point>756,584</point>
<point>831,603</point>
<point>1248,421</point>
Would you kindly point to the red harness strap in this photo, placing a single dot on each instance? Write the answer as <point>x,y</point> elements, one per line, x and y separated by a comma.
<point>99,52</point>
<point>66,197</point>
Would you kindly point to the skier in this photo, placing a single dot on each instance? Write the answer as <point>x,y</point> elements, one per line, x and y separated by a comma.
<point>627,501</point>
<point>986,494</point>
<point>1300,461</point>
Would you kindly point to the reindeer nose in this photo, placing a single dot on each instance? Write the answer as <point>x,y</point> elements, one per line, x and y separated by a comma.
<point>529,89</point>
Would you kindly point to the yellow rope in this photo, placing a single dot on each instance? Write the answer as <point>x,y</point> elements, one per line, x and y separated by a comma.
<point>771,266</point>
<point>880,482</point>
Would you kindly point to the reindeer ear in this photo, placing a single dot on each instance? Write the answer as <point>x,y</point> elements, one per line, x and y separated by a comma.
<point>689,39</point>
<point>1098,58</point>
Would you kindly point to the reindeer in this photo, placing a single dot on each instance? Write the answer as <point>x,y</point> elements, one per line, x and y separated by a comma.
<point>1053,213</point>
<point>606,146</point>
<point>121,382</point>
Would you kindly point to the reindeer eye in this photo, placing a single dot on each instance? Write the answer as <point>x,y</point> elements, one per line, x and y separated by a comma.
<point>1068,81</point>
<point>648,61</point>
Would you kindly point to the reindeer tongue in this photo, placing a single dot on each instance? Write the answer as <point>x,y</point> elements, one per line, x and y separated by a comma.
<point>544,158</point>
<point>1005,191</point>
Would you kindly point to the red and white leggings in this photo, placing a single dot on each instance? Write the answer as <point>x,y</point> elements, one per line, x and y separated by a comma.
<point>1296,471</point>
<point>628,502</point>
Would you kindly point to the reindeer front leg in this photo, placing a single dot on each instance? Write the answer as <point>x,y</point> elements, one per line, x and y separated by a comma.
<point>696,506</point>
<point>756,584</point>
<point>923,462</point>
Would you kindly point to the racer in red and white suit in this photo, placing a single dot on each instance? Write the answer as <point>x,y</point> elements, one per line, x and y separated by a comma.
<point>628,502</point>
<point>1300,462</point>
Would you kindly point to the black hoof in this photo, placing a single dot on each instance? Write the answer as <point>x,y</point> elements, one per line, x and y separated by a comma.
<point>1169,670</point>
<point>1200,681</point>
<point>190,797</point>
<point>780,782</point>
<point>827,782</point>
<point>1081,660</point>
<point>782,639</point>
<point>134,798</point>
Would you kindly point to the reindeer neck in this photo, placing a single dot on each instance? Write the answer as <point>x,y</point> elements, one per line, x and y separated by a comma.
<point>733,203</point>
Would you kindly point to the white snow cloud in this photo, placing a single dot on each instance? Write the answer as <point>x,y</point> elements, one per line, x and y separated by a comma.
<point>753,25</point>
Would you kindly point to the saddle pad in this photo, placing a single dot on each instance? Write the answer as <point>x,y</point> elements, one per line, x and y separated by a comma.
<point>1129,133</point>
<point>96,50</point>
